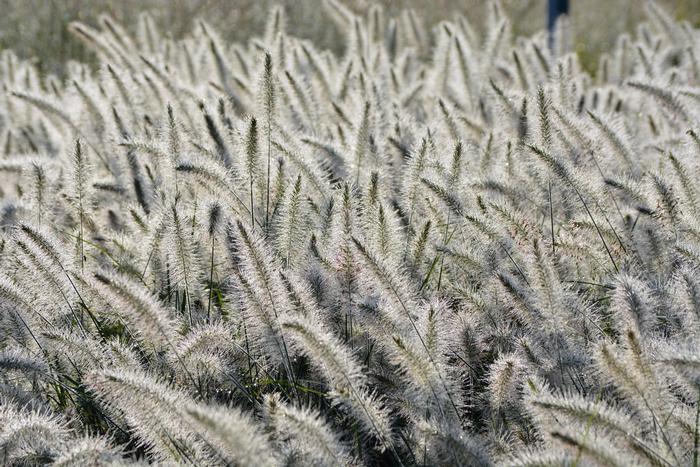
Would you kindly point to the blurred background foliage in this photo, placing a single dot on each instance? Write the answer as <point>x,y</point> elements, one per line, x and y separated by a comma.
<point>38,28</point>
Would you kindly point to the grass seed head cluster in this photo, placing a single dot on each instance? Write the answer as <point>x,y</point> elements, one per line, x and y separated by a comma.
<point>441,247</point>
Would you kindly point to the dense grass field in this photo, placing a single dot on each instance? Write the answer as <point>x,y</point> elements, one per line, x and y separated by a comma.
<point>411,241</point>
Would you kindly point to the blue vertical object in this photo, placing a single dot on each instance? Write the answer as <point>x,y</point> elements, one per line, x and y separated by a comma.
<point>556,9</point>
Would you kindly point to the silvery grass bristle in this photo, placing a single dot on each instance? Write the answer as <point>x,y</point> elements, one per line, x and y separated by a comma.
<point>440,247</point>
